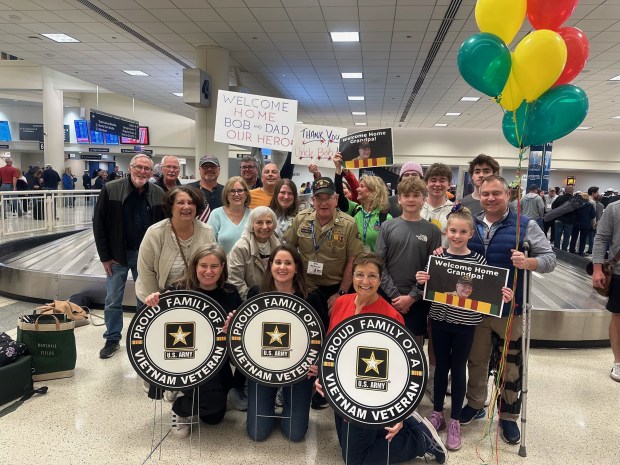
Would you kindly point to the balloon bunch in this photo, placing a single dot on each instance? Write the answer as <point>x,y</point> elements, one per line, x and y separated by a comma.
<point>531,83</point>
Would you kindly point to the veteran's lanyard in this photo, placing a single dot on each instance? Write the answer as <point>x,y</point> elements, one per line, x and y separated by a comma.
<point>365,223</point>
<point>315,244</point>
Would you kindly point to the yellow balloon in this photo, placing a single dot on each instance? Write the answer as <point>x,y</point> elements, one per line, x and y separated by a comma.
<point>511,97</point>
<point>501,17</point>
<point>538,61</point>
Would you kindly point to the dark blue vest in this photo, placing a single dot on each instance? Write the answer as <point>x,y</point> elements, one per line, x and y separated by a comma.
<point>498,251</point>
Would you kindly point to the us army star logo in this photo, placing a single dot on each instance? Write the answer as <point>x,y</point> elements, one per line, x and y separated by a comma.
<point>276,335</point>
<point>180,336</point>
<point>372,363</point>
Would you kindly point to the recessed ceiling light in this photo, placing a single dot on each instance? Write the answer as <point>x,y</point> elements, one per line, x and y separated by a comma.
<point>345,36</point>
<point>358,113</point>
<point>60,37</point>
<point>355,97</point>
<point>584,128</point>
<point>300,122</point>
<point>351,75</point>
<point>361,124</point>
<point>178,94</point>
<point>134,72</point>
<point>615,78</point>
<point>453,114</point>
<point>440,125</point>
<point>470,99</point>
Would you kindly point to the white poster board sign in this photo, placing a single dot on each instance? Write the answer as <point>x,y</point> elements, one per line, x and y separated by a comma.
<point>316,145</point>
<point>255,120</point>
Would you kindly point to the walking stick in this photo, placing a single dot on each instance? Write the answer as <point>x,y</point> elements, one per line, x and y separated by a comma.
<point>525,348</point>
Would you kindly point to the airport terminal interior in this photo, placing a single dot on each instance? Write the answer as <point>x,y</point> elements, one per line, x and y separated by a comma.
<point>132,60</point>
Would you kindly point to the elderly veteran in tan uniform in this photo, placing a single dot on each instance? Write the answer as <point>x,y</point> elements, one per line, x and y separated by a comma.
<point>328,241</point>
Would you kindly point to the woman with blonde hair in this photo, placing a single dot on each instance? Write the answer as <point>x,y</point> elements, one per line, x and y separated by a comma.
<point>229,220</point>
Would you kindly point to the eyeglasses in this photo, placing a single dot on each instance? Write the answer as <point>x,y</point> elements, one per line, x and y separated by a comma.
<point>321,200</point>
<point>370,277</point>
<point>146,169</point>
<point>236,191</point>
<point>247,168</point>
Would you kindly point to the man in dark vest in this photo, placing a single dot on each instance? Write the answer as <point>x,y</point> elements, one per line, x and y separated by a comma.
<point>494,237</point>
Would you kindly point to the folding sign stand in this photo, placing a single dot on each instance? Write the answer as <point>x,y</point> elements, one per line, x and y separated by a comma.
<point>525,349</point>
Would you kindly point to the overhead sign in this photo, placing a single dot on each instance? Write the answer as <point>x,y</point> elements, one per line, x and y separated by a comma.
<point>31,131</point>
<point>98,150</point>
<point>196,88</point>
<point>316,145</point>
<point>367,148</point>
<point>255,120</point>
<point>90,157</point>
<point>274,338</point>
<point>178,344</point>
<point>372,371</point>
<point>112,124</point>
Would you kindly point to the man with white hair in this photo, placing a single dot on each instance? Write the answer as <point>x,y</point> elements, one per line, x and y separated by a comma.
<point>170,169</point>
<point>10,175</point>
<point>124,211</point>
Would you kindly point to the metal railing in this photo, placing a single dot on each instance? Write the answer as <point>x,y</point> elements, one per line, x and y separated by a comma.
<point>26,212</point>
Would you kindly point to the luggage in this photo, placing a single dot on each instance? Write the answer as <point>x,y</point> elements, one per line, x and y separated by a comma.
<point>38,209</point>
<point>16,379</point>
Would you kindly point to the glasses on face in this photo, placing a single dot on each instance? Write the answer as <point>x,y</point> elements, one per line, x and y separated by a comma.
<point>247,168</point>
<point>370,276</point>
<point>236,191</point>
<point>146,169</point>
<point>321,200</point>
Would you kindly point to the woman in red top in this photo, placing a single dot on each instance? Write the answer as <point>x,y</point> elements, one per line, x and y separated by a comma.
<point>413,437</point>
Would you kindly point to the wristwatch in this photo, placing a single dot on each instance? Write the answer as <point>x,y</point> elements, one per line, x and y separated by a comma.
<point>341,292</point>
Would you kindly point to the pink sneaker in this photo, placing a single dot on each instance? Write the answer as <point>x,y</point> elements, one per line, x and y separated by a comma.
<point>453,440</point>
<point>437,420</point>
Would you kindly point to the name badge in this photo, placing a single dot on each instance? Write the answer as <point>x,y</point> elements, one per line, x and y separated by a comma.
<point>315,268</point>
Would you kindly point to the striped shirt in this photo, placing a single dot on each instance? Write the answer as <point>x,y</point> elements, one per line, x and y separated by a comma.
<point>450,314</point>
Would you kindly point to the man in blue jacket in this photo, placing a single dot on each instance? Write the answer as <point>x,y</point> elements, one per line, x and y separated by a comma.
<point>124,211</point>
<point>496,231</point>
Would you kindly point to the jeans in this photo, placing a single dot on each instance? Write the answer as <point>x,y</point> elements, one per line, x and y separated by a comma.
<point>261,401</point>
<point>565,230</point>
<point>363,446</point>
<point>15,204</point>
<point>115,289</point>
<point>583,234</point>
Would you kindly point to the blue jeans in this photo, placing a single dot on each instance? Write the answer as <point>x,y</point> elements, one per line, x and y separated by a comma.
<point>115,289</point>
<point>369,447</point>
<point>565,230</point>
<point>15,205</point>
<point>261,400</point>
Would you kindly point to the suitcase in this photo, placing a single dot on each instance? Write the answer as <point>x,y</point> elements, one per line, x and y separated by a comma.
<point>38,209</point>
<point>16,379</point>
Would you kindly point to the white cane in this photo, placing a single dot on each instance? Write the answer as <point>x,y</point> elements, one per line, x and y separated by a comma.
<point>525,348</point>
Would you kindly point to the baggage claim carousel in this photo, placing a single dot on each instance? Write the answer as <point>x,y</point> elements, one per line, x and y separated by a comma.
<point>566,311</point>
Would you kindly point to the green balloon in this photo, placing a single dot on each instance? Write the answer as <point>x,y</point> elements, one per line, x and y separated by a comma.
<point>484,62</point>
<point>556,113</point>
<point>514,120</point>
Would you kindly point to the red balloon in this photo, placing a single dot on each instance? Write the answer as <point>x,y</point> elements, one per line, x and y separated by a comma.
<point>578,49</point>
<point>549,14</point>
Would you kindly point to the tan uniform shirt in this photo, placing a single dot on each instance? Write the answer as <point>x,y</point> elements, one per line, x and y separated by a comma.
<point>337,241</point>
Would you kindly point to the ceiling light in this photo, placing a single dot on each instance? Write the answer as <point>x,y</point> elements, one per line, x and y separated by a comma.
<point>361,124</point>
<point>60,37</point>
<point>178,94</point>
<point>134,72</point>
<point>453,114</point>
<point>300,122</point>
<point>470,99</point>
<point>441,125</point>
<point>584,128</point>
<point>358,113</point>
<point>345,36</point>
<point>616,117</point>
<point>351,75</point>
<point>353,97</point>
<point>615,78</point>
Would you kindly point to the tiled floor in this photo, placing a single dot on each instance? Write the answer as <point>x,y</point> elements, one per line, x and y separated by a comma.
<point>102,416</point>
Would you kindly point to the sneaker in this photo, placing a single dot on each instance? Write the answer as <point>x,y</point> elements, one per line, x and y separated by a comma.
<point>432,442</point>
<point>615,372</point>
<point>510,431</point>
<point>181,426</point>
<point>171,396</point>
<point>453,440</point>
<point>318,402</point>
<point>437,420</point>
<point>469,414</point>
<point>109,349</point>
<point>237,399</point>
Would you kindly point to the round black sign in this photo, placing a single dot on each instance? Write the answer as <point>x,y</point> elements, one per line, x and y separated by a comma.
<point>178,344</point>
<point>274,338</point>
<point>372,371</point>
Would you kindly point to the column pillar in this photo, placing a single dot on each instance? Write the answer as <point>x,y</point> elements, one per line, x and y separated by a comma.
<point>53,118</point>
<point>214,60</point>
